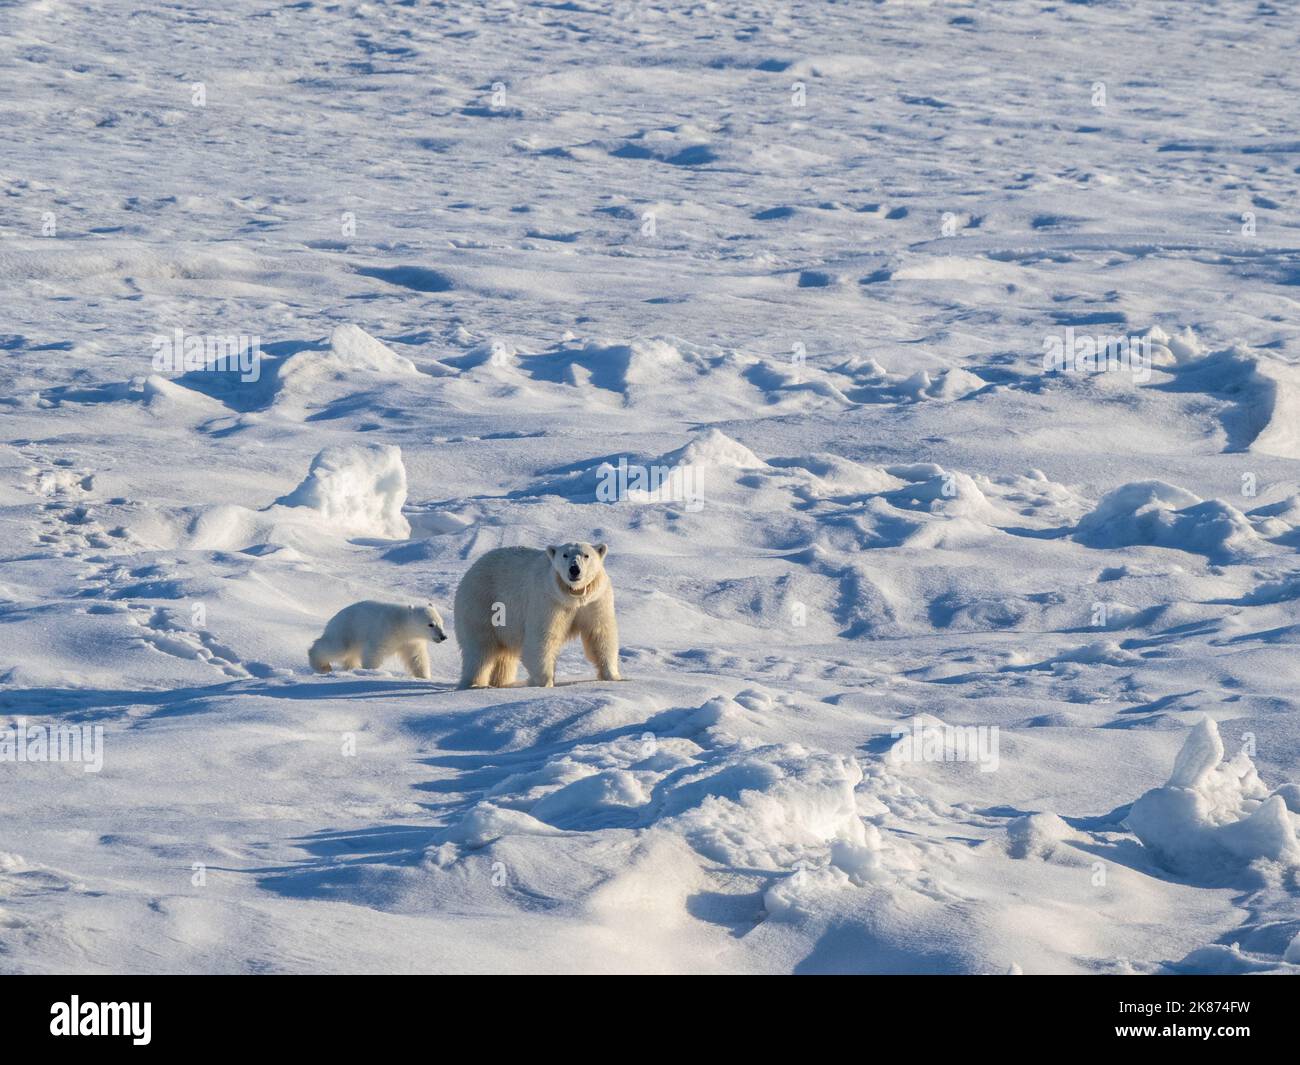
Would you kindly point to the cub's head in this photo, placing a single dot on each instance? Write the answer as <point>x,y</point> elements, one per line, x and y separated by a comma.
<point>577,565</point>
<point>429,620</point>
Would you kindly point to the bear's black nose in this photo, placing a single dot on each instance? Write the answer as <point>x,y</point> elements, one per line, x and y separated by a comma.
<point>573,573</point>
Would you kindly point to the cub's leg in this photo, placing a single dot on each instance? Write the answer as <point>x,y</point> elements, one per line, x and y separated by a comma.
<point>372,657</point>
<point>416,656</point>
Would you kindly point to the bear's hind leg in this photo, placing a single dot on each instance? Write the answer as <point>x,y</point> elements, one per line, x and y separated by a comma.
<point>476,668</point>
<point>505,670</point>
<point>372,657</point>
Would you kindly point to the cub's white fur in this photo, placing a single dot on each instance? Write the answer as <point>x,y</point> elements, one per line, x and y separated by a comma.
<point>366,633</point>
<point>518,603</point>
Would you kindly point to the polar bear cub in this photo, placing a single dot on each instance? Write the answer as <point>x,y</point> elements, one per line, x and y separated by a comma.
<point>366,633</point>
<point>519,603</point>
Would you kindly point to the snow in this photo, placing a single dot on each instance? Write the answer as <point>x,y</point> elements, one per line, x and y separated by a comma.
<point>530,273</point>
<point>1153,512</point>
<point>1213,812</point>
<point>355,489</point>
<point>310,377</point>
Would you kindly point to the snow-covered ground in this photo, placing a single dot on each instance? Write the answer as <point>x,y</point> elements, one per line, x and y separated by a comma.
<point>812,256</point>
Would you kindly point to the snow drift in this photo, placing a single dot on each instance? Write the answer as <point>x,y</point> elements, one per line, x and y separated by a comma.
<point>312,376</point>
<point>1162,515</point>
<point>358,489</point>
<point>1213,815</point>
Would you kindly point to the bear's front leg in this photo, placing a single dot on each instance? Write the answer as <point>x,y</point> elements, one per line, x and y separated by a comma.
<point>601,648</point>
<point>540,651</point>
<point>417,660</point>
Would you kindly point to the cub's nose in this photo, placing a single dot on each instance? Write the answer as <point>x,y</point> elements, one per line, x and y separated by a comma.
<point>574,573</point>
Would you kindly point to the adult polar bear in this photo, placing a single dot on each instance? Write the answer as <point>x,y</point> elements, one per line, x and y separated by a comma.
<point>519,603</point>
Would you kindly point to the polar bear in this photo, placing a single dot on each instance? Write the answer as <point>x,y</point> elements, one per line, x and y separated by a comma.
<point>366,633</point>
<point>517,602</point>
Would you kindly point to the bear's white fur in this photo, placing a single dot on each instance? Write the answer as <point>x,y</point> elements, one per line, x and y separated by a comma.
<point>519,603</point>
<point>366,633</point>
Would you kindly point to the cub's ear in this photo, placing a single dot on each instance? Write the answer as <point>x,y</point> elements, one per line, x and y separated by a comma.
<point>601,549</point>
<point>550,552</point>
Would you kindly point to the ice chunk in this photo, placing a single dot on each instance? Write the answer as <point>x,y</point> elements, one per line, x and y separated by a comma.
<point>358,489</point>
<point>1213,815</point>
<point>1292,954</point>
<point>1201,753</point>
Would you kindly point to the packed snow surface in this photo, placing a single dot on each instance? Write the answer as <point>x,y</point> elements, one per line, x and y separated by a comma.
<point>941,655</point>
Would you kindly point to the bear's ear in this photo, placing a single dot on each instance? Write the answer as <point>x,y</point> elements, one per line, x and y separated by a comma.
<point>550,552</point>
<point>601,549</point>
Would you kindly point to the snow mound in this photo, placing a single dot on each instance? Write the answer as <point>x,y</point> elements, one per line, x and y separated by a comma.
<point>948,385</point>
<point>1179,349</point>
<point>1037,835</point>
<point>357,489</point>
<point>948,494</point>
<point>352,353</point>
<point>767,807</point>
<point>873,383</point>
<point>716,450</point>
<point>1260,394</point>
<point>1213,815</point>
<point>162,395</point>
<point>487,822</point>
<point>1278,405</point>
<point>784,811</point>
<point>830,475</point>
<point>1292,955</point>
<point>1162,515</point>
<point>801,893</point>
<point>1100,652</point>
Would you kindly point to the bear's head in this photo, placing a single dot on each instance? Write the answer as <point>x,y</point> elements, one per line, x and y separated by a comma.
<point>427,619</point>
<point>578,565</point>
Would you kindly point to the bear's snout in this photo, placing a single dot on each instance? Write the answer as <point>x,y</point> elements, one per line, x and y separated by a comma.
<point>574,572</point>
